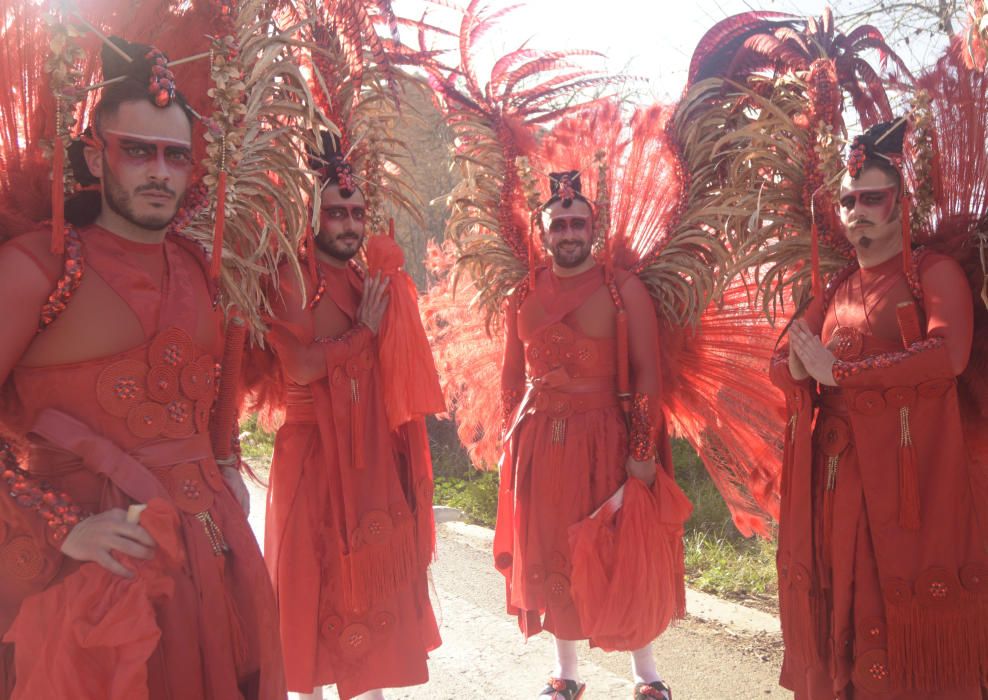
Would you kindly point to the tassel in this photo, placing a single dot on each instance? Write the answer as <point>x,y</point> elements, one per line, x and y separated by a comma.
<point>217,261</point>
<point>373,572</point>
<point>58,198</point>
<point>310,258</point>
<point>391,228</point>
<point>833,461</point>
<point>815,261</point>
<point>356,425</point>
<point>623,373</point>
<point>531,254</point>
<point>908,477</point>
<point>907,236</point>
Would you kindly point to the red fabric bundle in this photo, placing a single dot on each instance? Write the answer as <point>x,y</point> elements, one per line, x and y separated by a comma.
<point>408,372</point>
<point>625,568</point>
<point>90,636</point>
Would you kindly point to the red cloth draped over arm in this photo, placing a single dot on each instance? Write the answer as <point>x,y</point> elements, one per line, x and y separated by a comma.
<point>408,371</point>
<point>513,365</point>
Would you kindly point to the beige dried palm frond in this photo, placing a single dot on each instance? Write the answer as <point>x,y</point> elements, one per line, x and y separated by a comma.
<point>755,165</point>
<point>262,124</point>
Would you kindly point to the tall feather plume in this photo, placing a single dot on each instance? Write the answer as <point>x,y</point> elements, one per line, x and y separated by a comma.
<point>777,159</point>
<point>494,122</point>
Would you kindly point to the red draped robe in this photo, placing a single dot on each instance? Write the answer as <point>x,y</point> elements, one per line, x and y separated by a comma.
<point>113,403</point>
<point>568,437</point>
<point>883,566</point>
<point>349,531</point>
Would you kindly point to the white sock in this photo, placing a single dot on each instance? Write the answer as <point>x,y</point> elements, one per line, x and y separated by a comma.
<point>371,695</point>
<point>567,662</point>
<point>314,695</point>
<point>643,665</point>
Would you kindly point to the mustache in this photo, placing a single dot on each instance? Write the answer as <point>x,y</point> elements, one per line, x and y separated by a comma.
<point>156,187</point>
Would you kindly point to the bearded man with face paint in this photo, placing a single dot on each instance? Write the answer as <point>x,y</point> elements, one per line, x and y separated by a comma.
<point>349,531</point>
<point>881,545</point>
<point>113,401</point>
<point>568,445</point>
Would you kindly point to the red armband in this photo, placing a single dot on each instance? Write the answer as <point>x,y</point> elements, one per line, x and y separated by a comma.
<point>642,429</point>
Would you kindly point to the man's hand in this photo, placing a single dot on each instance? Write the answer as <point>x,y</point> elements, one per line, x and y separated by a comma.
<point>796,367</point>
<point>95,537</point>
<point>373,303</point>
<point>235,482</point>
<point>811,352</point>
<point>641,470</point>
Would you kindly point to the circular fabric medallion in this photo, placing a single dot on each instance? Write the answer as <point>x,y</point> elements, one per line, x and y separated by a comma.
<point>180,416</point>
<point>22,558</point>
<point>188,488</point>
<point>146,420</point>
<point>162,383</point>
<point>846,343</point>
<point>172,347</point>
<point>121,386</point>
<point>355,640</point>
<point>376,527</point>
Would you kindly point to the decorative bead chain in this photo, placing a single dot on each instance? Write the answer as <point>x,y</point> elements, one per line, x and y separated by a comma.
<point>56,508</point>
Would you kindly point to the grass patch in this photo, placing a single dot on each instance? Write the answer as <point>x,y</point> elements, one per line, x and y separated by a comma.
<point>256,446</point>
<point>475,496</point>
<point>719,559</point>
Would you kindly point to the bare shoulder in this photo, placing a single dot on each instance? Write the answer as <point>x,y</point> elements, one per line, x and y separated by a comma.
<point>28,268</point>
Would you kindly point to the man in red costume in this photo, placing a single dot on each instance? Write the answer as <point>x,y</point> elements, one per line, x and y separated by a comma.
<point>882,561</point>
<point>569,447</point>
<point>108,359</point>
<point>349,531</point>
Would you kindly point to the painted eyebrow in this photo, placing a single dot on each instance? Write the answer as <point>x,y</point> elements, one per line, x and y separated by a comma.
<point>145,138</point>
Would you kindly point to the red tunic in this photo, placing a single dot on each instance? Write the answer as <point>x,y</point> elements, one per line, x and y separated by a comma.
<point>349,533</point>
<point>114,401</point>
<point>883,572</point>
<point>568,439</point>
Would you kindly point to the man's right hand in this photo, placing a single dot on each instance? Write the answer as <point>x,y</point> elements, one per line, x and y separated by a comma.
<point>95,537</point>
<point>796,367</point>
<point>373,303</point>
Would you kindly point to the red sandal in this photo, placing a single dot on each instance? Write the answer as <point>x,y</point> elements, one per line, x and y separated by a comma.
<point>658,690</point>
<point>563,689</point>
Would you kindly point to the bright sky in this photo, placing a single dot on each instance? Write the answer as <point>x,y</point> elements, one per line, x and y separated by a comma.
<point>650,38</point>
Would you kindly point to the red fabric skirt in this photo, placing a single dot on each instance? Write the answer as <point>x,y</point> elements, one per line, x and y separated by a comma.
<point>385,646</point>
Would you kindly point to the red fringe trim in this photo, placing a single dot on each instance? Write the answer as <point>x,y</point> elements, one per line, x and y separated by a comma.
<point>938,646</point>
<point>216,263</point>
<point>815,261</point>
<point>907,236</point>
<point>375,571</point>
<point>909,517</point>
<point>356,427</point>
<point>58,198</point>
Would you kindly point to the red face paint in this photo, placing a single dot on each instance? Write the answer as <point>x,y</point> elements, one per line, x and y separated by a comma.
<point>873,204</point>
<point>136,150</point>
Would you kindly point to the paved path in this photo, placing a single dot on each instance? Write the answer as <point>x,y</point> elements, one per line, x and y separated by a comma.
<point>484,656</point>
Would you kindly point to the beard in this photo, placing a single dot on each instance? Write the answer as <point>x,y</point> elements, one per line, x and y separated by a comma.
<point>119,201</point>
<point>570,257</point>
<point>338,249</point>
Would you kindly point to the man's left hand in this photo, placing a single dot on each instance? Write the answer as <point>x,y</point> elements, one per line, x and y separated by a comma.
<point>641,470</point>
<point>814,355</point>
<point>235,482</point>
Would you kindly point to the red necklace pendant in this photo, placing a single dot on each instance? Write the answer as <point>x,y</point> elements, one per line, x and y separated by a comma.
<point>846,343</point>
